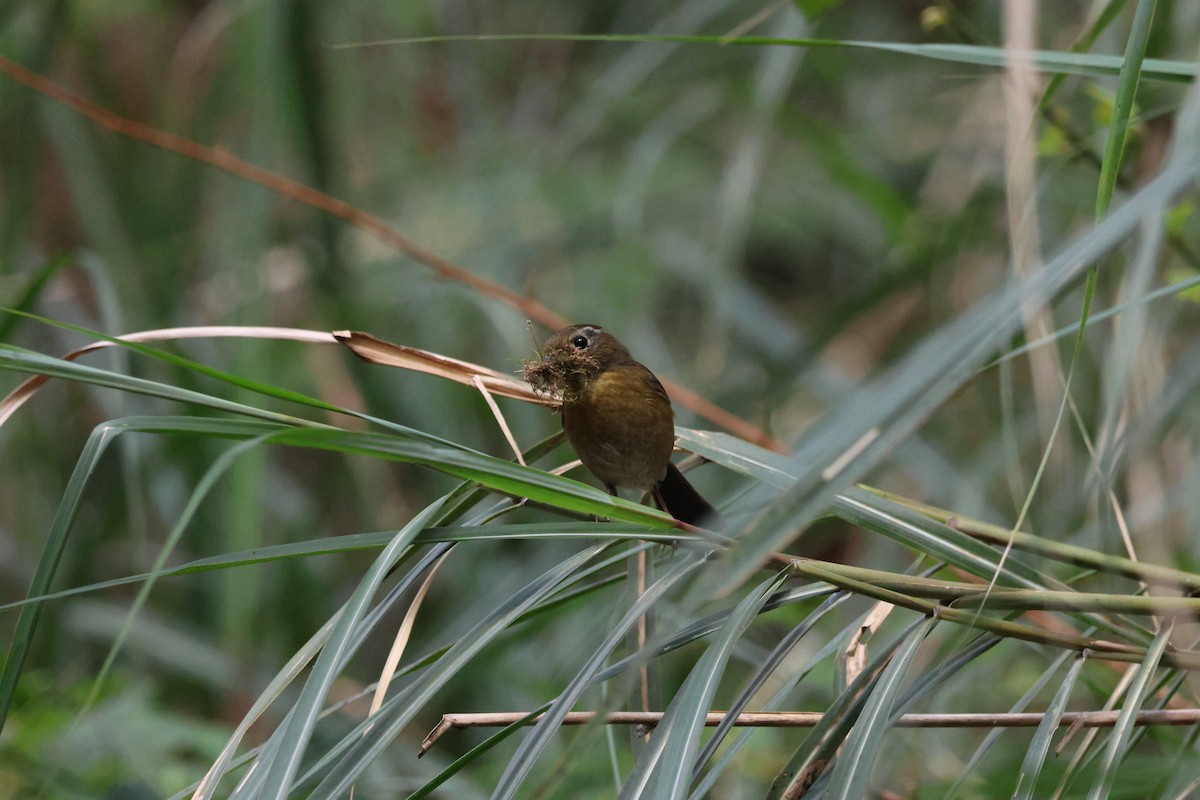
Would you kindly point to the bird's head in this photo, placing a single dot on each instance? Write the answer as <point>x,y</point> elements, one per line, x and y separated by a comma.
<point>572,357</point>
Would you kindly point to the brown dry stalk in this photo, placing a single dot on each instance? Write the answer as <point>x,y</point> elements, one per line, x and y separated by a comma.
<point>360,219</point>
<point>808,719</point>
<point>377,351</point>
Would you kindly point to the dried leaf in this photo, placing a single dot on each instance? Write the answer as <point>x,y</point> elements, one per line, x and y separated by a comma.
<point>377,351</point>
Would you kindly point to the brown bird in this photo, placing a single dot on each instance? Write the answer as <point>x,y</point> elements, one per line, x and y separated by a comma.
<point>618,417</point>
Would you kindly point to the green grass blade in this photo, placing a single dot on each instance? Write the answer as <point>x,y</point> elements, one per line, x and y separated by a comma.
<point>474,753</point>
<point>1118,129</point>
<point>19,360</point>
<point>1100,22</point>
<point>208,480</point>
<point>31,292</point>
<point>403,444</point>
<point>47,566</point>
<point>495,473</point>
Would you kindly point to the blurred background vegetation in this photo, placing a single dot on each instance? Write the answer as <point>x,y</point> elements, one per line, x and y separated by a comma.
<point>766,225</point>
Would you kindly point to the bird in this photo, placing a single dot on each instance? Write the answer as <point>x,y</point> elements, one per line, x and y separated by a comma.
<point>617,417</point>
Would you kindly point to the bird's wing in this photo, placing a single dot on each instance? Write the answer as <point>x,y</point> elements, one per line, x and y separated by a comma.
<point>654,383</point>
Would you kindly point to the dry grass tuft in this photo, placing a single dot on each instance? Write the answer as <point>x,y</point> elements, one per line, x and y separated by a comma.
<point>561,372</point>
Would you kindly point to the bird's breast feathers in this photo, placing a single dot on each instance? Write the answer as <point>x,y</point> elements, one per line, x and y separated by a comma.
<point>622,427</point>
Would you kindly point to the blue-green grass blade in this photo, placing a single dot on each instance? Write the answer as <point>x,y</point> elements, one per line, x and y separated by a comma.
<point>373,540</point>
<point>852,770</point>
<point>522,761</point>
<point>741,737</point>
<point>1134,698</point>
<point>295,734</point>
<point>713,623</point>
<point>1039,746</point>
<point>818,748</point>
<point>664,769</point>
<point>1088,64</point>
<point>858,434</point>
<point>762,674</point>
<point>356,752</point>
<point>206,788</point>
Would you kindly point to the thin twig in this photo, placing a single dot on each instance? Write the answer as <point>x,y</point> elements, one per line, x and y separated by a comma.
<point>643,634</point>
<point>402,636</point>
<point>500,420</point>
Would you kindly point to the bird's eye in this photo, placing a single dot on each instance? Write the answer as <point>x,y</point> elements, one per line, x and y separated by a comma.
<point>579,341</point>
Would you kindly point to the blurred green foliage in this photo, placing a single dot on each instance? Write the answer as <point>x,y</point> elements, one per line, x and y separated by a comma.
<point>766,225</point>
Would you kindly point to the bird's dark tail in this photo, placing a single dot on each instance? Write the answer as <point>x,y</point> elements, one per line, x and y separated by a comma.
<point>680,499</point>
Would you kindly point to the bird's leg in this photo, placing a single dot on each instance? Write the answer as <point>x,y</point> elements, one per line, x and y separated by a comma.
<point>658,499</point>
<point>612,490</point>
